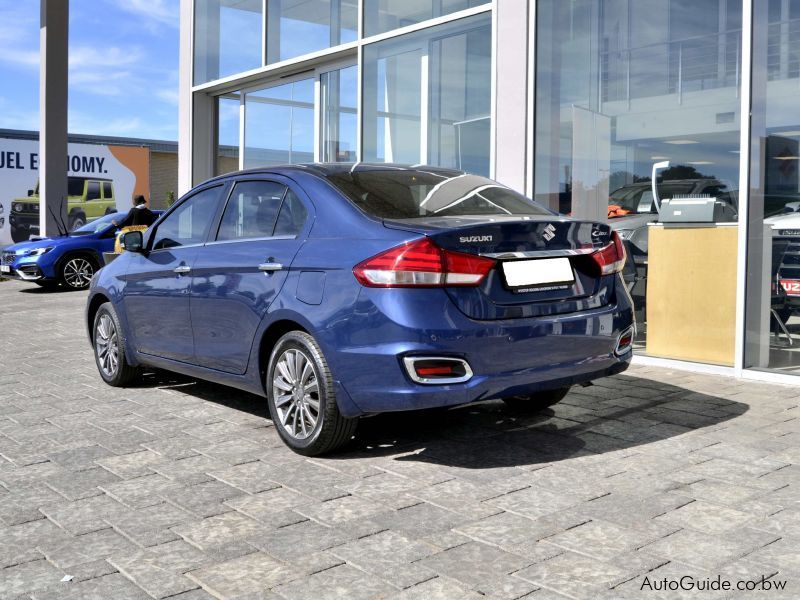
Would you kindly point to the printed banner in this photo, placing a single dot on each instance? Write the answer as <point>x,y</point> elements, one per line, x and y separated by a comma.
<point>101,179</point>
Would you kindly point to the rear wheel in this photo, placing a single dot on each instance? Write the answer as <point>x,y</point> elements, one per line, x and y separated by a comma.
<point>77,271</point>
<point>302,398</point>
<point>109,351</point>
<point>536,401</point>
<point>76,221</point>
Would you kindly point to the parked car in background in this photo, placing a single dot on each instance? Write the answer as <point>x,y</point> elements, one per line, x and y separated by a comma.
<point>786,254</point>
<point>87,199</point>
<point>70,260</point>
<point>345,290</point>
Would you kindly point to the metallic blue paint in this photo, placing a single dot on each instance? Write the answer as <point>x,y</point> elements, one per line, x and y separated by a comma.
<point>212,322</point>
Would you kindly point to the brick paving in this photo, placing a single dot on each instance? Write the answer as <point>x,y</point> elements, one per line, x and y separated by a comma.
<point>182,489</point>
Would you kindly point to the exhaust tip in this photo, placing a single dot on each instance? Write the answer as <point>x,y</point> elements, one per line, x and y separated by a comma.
<point>437,370</point>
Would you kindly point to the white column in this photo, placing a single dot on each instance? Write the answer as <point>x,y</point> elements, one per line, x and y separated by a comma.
<point>53,75</point>
<point>510,92</point>
<point>185,98</point>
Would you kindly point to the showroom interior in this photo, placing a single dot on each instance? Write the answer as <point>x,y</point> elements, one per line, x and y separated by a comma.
<point>572,102</point>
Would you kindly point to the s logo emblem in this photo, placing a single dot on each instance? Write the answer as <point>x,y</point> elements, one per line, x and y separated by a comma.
<point>549,232</point>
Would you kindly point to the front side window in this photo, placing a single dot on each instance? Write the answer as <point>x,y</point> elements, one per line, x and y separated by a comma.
<point>252,210</point>
<point>189,223</point>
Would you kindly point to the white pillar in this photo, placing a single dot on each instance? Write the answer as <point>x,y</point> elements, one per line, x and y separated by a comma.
<point>185,98</point>
<point>511,101</point>
<point>53,70</point>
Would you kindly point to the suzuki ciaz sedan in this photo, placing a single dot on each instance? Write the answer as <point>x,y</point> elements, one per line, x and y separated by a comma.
<point>339,291</point>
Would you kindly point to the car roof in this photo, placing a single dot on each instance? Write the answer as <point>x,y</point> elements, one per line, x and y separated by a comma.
<point>325,170</point>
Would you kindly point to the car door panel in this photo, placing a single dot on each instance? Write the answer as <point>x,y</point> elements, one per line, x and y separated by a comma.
<point>157,302</point>
<point>158,282</point>
<point>234,283</point>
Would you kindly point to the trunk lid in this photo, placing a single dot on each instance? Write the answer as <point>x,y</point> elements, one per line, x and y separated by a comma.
<point>551,245</point>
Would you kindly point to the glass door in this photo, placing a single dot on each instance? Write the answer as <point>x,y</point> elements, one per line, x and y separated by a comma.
<point>772,333</point>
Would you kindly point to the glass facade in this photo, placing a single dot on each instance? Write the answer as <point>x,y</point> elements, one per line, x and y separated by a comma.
<point>298,27</point>
<point>622,85</point>
<point>226,157</point>
<point>636,114</point>
<point>427,97</point>
<point>227,38</point>
<point>773,262</point>
<point>279,124</point>
<point>381,16</point>
<point>339,115</point>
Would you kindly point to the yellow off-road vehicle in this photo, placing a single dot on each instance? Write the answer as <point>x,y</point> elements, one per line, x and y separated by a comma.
<point>87,199</point>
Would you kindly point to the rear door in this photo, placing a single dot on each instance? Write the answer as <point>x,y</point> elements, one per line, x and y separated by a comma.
<point>241,270</point>
<point>158,284</point>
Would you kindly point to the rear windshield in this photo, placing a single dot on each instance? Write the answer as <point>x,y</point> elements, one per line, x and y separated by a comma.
<point>414,194</point>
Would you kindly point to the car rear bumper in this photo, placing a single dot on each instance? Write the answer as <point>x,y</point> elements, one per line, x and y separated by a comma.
<point>507,358</point>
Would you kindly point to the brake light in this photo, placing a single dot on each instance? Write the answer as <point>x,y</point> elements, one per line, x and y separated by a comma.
<point>611,258</point>
<point>422,263</point>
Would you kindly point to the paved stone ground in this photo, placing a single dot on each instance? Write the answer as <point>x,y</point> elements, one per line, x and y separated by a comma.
<point>182,489</point>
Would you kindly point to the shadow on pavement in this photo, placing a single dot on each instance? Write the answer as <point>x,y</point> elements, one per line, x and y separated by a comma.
<point>622,412</point>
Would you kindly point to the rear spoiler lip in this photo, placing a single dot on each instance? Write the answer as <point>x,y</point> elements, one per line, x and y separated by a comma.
<point>421,227</point>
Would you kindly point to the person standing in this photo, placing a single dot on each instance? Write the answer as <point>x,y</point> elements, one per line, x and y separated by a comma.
<point>138,215</point>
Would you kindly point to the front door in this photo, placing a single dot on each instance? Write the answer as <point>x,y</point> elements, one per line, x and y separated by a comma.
<point>238,275</point>
<point>158,283</point>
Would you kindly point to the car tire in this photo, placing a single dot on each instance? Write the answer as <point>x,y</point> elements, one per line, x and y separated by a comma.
<point>302,397</point>
<point>536,401</point>
<point>78,220</point>
<point>76,271</point>
<point>109,351</point>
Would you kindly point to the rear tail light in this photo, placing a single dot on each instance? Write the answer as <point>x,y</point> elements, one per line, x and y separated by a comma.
<point>437,370</point>
<point>422,263</point>
<point>611,258</point>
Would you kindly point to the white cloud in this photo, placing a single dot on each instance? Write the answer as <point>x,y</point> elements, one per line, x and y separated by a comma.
<point>170,96</point>
<point>154,12</point>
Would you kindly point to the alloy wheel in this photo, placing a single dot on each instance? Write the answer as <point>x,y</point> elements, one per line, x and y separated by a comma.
<point>295,388</point>
<point>78,273</point>
<point>106,343</point>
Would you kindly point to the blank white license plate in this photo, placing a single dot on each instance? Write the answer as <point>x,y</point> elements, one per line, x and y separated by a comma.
<point>542,271</point>
<point>5,269</point>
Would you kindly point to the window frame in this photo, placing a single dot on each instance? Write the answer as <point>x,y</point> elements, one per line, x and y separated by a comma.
<point>153,232</point>
<point>271,178</point>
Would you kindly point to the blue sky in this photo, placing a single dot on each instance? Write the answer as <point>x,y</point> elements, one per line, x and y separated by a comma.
<point>123,78</point>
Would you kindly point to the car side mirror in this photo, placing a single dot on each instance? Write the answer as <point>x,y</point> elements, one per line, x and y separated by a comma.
<point>133,241</point>
<point>30,193</point>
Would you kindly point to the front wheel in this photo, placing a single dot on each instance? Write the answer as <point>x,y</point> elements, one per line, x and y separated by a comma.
<point>77,221</point>
<point>109,351</point>
<point>536,401</point>
<point>77,272</point>
<point>302,398</point>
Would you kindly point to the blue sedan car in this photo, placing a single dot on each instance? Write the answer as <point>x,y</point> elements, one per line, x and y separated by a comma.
<point>70,259</point>
<point>339,291</point>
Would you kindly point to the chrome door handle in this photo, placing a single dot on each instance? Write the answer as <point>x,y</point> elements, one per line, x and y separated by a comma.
<point>183,269</point>
<point>270,266</point>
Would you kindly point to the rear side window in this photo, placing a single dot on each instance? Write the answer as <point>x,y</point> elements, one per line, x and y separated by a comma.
<point>292,216</point>
<point>108,194</point>
<point>405,194</point>
<point>93,190</point>
<point>189,223</point>
<point>252,210</point>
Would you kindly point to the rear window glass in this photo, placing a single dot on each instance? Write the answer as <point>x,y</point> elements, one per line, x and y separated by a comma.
<point>415,194</point>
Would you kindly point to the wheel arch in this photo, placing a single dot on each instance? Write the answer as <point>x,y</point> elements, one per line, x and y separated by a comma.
<point>270,337</point>
<point>91,311</point>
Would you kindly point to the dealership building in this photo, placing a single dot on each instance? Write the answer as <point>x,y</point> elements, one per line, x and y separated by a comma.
<point>572,102</point>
